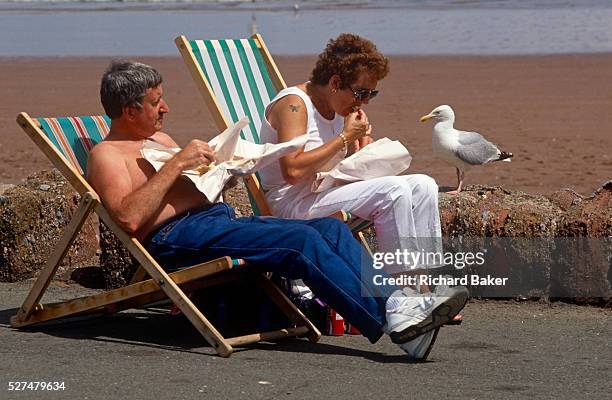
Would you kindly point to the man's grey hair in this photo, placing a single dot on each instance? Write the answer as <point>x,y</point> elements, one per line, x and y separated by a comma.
<point>125,83</point>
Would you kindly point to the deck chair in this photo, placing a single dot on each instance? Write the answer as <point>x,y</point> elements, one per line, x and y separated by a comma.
<point>237,78</point>
<point>66,142</point>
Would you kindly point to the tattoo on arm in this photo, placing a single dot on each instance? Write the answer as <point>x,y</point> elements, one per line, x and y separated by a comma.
<point>294,108</point>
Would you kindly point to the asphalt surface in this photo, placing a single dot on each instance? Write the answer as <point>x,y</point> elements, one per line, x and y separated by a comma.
<point>503,350</point>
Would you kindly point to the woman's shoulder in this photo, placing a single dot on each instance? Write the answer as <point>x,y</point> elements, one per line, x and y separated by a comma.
<point>289,106</point>
<point>293,91</point>
<point>292,100</point>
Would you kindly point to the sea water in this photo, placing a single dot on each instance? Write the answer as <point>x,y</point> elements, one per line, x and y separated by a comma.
<point>416,27</point>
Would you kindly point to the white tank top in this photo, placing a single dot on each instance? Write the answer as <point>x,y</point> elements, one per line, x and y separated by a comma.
<point>319,131</point>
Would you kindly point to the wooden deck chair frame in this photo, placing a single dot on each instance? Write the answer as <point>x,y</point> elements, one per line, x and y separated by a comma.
<point>256,194</point>
<point>161,284</point>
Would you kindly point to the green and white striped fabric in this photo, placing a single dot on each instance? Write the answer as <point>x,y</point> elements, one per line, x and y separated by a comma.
<point>241,83</point>
<point>239,78</point>
<point>74,137</point>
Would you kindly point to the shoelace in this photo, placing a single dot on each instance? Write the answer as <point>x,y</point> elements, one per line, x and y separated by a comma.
<point>424,302</point>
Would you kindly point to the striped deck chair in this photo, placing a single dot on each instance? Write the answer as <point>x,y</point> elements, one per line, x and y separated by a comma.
<point>66,142</point>
<point>238,77</point>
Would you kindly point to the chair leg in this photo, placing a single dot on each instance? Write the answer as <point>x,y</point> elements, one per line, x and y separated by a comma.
<point>139,275</point>
<point>178,297</point>
<point>125,297</point>
<point>46,274</point>
<point>287,307</point>
<point>359,236</point>
<point>268,336</point>
<point>181,300</point>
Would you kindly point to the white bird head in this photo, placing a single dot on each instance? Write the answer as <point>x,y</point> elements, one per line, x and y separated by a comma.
<point>440,114</point>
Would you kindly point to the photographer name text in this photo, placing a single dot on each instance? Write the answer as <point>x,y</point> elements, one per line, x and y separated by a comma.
<point>434,280</point>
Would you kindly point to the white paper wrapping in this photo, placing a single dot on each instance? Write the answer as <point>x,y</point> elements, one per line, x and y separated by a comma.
<point>234,156</point>
<point>384,157</point>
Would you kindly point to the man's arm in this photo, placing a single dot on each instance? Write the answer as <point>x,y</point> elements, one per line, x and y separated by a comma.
<point>132,207</point>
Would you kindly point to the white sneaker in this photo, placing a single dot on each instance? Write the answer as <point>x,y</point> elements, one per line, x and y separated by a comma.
<point>457,319</point>
<point>420,313</point>
<point>419,348</point>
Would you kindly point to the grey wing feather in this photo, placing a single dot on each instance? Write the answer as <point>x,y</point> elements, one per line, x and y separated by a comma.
<point>475,149</point>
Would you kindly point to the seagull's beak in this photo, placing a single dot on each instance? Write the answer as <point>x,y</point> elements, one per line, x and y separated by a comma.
<point>426,117</point>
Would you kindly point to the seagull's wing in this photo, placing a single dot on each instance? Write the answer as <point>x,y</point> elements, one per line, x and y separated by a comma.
<point>475,149</point>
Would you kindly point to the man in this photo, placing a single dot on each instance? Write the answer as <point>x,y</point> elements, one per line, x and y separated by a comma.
<point>179,227</point>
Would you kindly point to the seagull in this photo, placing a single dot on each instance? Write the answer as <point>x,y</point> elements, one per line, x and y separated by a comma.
<point>459,148</point>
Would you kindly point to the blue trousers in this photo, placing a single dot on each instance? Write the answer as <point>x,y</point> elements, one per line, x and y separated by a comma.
<point>320,251</point>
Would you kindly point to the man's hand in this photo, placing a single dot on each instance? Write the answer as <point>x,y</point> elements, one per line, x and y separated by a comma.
<point>194,155</point>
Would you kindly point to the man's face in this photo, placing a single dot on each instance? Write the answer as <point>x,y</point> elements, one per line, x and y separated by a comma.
<point>150,116</point>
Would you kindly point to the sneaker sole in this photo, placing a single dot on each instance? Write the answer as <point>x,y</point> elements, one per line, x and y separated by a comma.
<point>441,315</point>
<point>433,340</point>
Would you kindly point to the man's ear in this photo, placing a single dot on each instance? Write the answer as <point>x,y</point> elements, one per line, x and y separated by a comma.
<point>129,112</point>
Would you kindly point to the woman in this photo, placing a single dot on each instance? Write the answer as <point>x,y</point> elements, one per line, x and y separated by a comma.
<point>328,107</point>
<point>403,209</point>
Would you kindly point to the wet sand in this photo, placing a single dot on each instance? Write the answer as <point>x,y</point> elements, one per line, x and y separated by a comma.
<point>553,112</point>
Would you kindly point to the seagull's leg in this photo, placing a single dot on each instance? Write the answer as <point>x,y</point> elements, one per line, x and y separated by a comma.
<point>459,182</point>
<point>461,175</point>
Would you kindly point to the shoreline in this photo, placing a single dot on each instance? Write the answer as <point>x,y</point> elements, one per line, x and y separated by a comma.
<point>284,6</point>
<point>551,111</point>
<point>512,28</point>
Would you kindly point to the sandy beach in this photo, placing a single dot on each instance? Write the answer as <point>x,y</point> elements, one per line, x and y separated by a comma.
<point>553,112</point>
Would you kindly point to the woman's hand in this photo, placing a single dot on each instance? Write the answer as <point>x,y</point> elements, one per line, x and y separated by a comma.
<point>356,125</point>
<point>364,140</point>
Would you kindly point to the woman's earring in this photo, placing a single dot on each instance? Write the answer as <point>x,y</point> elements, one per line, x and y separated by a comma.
<point>334,90</point>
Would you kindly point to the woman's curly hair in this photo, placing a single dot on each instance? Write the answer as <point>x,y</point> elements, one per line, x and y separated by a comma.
<point>347,56</point>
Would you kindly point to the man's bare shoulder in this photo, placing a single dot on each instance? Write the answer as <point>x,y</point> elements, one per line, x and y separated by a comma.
<point>165,139</point>
<point>105,150</point>
<point>113,150</point>
<point>109,157</point>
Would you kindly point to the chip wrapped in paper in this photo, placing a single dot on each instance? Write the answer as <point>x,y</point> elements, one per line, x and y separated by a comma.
<point>233,157</point>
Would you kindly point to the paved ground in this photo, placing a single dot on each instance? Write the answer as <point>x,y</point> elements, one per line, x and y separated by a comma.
<point>504,350</point>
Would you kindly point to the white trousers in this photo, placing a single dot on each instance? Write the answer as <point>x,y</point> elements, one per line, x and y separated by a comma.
<point>403,209</point>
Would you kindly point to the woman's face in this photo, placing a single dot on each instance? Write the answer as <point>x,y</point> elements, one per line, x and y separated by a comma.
<point>350,99</point>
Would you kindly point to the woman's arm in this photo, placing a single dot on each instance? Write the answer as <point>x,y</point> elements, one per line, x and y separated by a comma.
<point>289,118</point>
